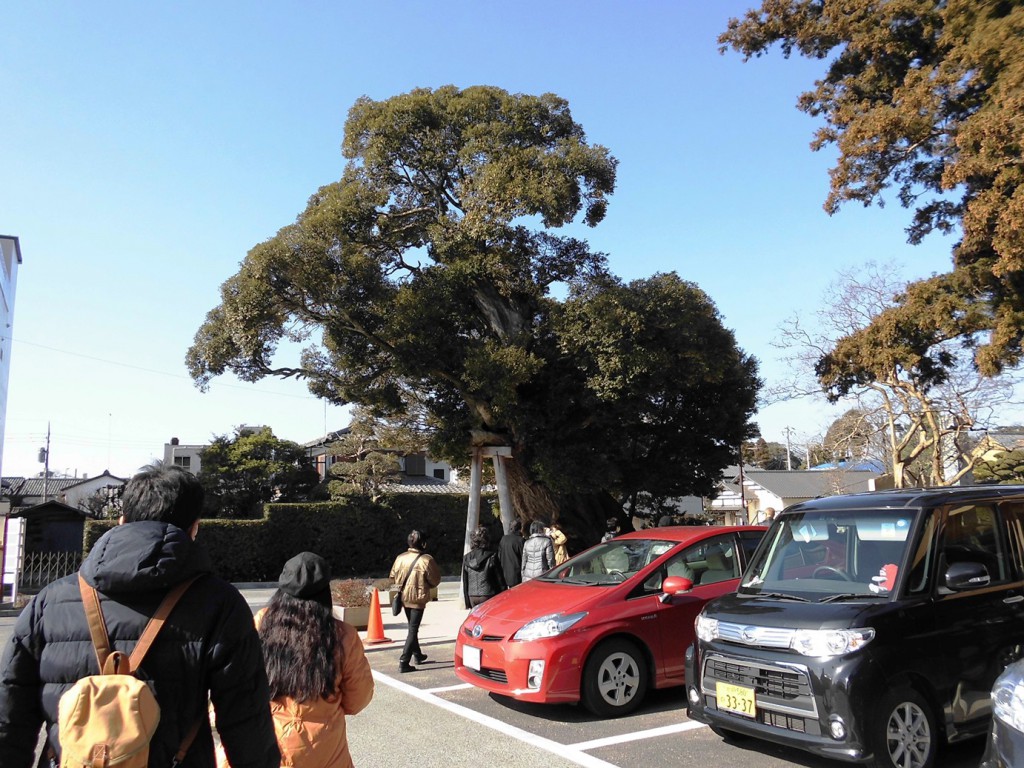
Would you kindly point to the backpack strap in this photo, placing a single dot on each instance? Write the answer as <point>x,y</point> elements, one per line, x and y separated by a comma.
<point>157,623</point>
<point>98,627</point>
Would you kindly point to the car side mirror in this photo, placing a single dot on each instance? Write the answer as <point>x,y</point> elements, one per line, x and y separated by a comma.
<point>967,575</point>
<point>675,585</point>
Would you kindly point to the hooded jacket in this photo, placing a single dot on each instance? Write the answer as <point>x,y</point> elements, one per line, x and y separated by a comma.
<point>481,574</point>
<point>208,646</point>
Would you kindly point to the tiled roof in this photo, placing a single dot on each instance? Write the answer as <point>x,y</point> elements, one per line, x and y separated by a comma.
<point>421,484</point>
<point>33,486</point>
<point>330,437</point>
<point>808,484</point>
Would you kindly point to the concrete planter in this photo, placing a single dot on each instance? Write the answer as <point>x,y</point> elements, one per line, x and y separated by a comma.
<point>358,616</point>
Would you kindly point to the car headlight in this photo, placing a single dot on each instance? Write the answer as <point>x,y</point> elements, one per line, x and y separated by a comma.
<point>551,625</point>
<point>1008,698</point>
<point>706,628</point>
<point>830,642</point>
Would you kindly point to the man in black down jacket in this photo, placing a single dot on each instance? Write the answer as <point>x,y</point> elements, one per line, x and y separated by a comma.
<point>208,647</point>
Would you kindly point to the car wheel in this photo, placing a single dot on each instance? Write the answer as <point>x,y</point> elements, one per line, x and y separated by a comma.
<point>904,734</point>
<point>614,679</point>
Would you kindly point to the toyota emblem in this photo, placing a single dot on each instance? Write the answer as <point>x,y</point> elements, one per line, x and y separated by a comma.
<point>477,631</point>
<point>748,634</point>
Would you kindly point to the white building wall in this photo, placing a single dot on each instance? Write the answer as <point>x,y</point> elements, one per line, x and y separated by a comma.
<point>10,256</point>
<point>186,456</point>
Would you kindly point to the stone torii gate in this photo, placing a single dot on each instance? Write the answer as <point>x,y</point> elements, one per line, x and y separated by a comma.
<point>499,454</point>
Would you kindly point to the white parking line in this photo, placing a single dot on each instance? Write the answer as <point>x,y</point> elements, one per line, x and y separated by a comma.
<point>651,733</point>
<point>459,687</point>
<point>554,747</point>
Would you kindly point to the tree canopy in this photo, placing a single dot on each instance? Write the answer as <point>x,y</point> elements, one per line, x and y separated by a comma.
<point>924,98</point>
<point>428,277</point>
<point>242,472</point>
<point>1004,468</point>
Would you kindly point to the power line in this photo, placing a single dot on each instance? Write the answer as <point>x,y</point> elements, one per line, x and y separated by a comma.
<point>143,369</point>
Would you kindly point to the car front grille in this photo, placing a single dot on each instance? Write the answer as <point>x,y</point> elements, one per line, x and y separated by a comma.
<point>494,675</point>
<point>783,694</point>
<point>483,638</point>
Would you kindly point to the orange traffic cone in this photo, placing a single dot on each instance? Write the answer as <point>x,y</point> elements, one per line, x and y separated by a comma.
<point>375,626</point>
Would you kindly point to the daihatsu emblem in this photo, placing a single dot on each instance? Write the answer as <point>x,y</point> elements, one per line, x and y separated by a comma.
<point>477,631</point>
<point>748,634</point>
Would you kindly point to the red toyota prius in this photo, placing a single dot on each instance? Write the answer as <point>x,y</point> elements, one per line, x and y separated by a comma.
<point>607,624</point>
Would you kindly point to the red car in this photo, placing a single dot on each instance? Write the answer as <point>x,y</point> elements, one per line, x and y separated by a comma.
<point>604,626</point>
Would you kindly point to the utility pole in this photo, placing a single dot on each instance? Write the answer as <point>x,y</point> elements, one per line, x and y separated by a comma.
<point>743,497</point>
<point>789,457</point>
<point>45,458</point>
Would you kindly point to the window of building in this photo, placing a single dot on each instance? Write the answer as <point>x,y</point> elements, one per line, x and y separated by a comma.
<point>185,462</point>
<point>439,474</point>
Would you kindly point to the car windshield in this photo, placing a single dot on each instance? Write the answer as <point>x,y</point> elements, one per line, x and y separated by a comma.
<point>610,563</point>
<point>832,556</point>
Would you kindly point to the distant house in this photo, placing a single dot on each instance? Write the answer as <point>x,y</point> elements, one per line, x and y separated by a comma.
<point>188,457</point>
<point>763,488</point>
<point>991,446</point>
<point>420,473</point>
<point>24,492</point>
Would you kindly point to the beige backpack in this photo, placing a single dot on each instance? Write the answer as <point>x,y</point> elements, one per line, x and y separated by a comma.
<point>108,720</point>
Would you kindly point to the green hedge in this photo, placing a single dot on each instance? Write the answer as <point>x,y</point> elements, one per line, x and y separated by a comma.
<point>358,537</point>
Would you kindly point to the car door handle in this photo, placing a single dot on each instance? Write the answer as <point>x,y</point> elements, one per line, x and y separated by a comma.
<point>1013,599</point>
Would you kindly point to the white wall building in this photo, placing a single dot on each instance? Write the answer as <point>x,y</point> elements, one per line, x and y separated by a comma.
<point>10,256</point>
<point>188,457</point>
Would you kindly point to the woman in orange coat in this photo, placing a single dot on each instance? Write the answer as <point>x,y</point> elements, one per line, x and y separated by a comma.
<point>316,666</point>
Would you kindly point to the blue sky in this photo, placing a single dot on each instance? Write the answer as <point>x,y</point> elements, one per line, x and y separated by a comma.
<point>145,147</point>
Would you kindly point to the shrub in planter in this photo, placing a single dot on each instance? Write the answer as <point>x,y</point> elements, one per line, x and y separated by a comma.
<point>351,598</point>
<point>351,593</point>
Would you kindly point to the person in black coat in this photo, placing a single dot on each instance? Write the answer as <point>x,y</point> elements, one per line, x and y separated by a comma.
<point>207,648</point>
<point>481,573</point>
<point>510,554</point>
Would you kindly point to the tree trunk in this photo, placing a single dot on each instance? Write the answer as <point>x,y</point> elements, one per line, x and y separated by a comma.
<point>582,517</point>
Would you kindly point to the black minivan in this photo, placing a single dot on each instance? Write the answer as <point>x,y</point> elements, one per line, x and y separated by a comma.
<point>870,627</point>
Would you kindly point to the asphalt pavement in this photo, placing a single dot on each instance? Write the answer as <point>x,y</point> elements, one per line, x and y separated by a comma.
<point>430,719</point>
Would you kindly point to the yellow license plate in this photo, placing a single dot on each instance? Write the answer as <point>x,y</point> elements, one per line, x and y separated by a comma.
<point>736,698</point>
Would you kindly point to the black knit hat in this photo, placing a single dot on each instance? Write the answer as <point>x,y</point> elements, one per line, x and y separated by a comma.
<point>307,576</point>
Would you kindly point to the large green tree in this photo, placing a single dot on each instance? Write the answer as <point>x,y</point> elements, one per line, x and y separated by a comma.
<point>428,274</point>
<point>242,472</point>
<point>926,98</point>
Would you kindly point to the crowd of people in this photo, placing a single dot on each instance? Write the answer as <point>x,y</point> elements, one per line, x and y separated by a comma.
<point>276,687</point>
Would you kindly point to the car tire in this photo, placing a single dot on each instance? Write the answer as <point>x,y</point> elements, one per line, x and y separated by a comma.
<point>904,733</point>
<point>614,678</point>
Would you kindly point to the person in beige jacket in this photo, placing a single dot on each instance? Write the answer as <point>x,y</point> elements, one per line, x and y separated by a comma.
<point>316,665</point>
<point>416,573</point>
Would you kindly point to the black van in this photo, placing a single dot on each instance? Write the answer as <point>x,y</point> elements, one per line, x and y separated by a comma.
<point>870,627</point>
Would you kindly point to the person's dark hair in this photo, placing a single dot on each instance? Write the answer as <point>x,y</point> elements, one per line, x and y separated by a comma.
<point>480,539</point>
<point>516,526</point>
<point>536,527</point>
<point>165,494</point>
<point>300,647</point>
<point>417,540</point>
<point>612,524</point>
